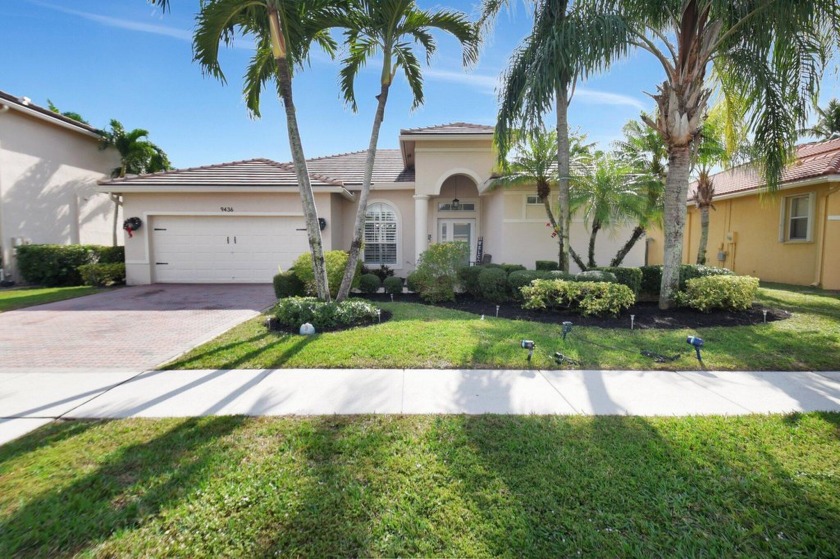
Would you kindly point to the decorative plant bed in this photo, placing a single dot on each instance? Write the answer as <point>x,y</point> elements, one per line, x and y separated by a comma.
<point>647,315</point>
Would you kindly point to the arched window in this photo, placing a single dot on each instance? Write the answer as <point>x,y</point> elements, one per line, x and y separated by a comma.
<point>380,234</point>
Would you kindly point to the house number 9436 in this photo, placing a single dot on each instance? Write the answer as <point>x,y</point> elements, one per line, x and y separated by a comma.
<point>226,209</point>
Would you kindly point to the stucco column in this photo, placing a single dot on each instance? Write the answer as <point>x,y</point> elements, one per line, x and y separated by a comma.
<point>421,219</point>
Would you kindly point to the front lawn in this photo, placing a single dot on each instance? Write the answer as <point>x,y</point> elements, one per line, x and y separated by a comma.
<point>421,336</point>
<point>481,486</point>
<point>21,297</point>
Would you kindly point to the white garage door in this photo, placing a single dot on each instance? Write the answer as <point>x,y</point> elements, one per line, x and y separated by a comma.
<point>224,249</point>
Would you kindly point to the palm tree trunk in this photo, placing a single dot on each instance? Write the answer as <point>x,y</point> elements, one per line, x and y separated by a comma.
<point>631,242</point>
<point>553,222</point>
<point>578,260</point>
<point>307,198</point>
<point>704,235</point>
<point>562,103</point>
<point>115,198</point>
<point>361,211</point>
<point>676,195</point>
<point>596,226</point>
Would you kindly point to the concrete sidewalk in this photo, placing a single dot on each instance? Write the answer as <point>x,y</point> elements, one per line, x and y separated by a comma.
<point>31,399</point>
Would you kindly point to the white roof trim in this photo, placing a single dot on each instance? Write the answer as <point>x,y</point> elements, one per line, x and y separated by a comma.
<point>57,122</point>
<point>181,189</point>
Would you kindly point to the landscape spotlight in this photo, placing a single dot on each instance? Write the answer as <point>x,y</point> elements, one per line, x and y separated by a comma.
<point>567,329</point>
<point>529,345</point>
<point>697,343</point>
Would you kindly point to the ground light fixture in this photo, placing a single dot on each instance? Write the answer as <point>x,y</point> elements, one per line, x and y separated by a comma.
<point>567,329</point>
<point>529,345</point>
<point>697,343</point>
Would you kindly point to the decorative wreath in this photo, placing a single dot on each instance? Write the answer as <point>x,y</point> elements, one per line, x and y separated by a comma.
<point>132,224</point>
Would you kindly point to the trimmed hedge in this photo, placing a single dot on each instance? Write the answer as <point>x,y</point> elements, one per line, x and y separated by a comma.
<point>596,276</point>
<point>730,293</point>
<point>589,298</point>
<point>287,284</point>
<point>336,261</point>
<point>57,265</point>
<point>519,279</point>
<point>651,280</point>
<point>393,285</point>
<point>292,312</point>
<point>509,268</point>
<point>469,278</point>
<point>369,283</point>
<point>411,282</point>
<point>631,277</point>
<point>494,284</point>
<point>103,274</point>
<point>652,276</point>
<point>547,265</point>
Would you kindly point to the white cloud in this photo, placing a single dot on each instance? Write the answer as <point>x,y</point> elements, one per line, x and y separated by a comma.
<point>107,21</point>
<point>596,97</point>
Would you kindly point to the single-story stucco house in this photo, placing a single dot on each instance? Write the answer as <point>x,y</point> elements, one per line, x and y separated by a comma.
<point>49,168</point>
<point>791,236</point>
<point>241,221</point>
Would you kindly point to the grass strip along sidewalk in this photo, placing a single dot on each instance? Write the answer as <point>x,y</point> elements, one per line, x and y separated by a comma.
<point>22,297</point>
<point>421,336</point>
<point>480,486</point>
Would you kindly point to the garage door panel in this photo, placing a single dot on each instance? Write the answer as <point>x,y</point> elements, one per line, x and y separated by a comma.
<point>224,248</point>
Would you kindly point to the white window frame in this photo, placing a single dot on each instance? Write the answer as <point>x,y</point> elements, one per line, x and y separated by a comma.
<point>528,201</point>
<point>785,219</point>
<point>399,221</point>
<point>460,211</point>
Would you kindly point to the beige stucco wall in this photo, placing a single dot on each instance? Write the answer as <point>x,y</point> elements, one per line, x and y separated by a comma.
<point>48,180</point>
<point>146,205</point>
<point>522,236</point>
<point>438,159</point>
<point>747,229</point>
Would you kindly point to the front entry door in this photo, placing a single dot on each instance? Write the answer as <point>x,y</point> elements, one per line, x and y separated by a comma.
<point>458,230</point>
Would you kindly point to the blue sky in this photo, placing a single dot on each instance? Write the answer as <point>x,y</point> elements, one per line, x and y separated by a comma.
<point>124,59</point>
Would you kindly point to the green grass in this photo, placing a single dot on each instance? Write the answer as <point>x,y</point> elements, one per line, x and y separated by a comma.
<point>22,297</point>
<point>482,486</point>
<point>421,336</point>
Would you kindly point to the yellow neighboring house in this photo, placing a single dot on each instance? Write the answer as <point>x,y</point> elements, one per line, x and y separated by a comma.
<point>790,236</point>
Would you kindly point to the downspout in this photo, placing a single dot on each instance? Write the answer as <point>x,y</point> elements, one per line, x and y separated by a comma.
<point>4,254</point>
<point>821,251</point>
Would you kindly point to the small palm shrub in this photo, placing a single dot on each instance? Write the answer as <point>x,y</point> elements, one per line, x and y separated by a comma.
<point>369,283</point>
<point>291,312</point>
<point>493,283</point>
<point>436,276</point>
<point>393,285</point>
<point>724,292</point>
<point>588,298</point>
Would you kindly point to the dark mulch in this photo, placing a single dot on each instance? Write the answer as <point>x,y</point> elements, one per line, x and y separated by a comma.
<point>647,315</point>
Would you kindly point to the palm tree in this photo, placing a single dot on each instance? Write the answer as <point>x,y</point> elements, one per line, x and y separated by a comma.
<point>608,196</point>
<point>568,41</point>
<point>389,27</point>
<point>643,150</point>
<point>770,54</point>
<point>69,114</point>
<point>828,125</point>
<point>284,31</point>
<point>703,195</point>
<point>137,156</point>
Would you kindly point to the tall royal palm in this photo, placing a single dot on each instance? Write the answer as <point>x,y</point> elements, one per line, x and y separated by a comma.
<point>568,41</point>
<point>390,28</point>
<point>828,124</point>
<point>768,54</point>
<point>283,32</point>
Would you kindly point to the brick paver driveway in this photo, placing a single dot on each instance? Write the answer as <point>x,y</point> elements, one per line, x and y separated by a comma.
<point>129,328</point>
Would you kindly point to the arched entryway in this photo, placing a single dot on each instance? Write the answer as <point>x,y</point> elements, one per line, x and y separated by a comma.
<point>457,212</point>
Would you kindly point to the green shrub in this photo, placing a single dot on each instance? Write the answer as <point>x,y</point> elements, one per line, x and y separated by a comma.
<point>559,274</point>
<point>547,265</point>
<point>437,271</point>
<point>494,285</point>
<point>292,312</point>
<point>596,276</point>
<point>469,279</point>
<point>109,255</point>
<point>336,261</point>
<point>725,292</point>
<point>53,265</point>
<point>631,277</point>
<point>691,271</point>
<point>103,275</point>
<point>651,280</point>
<point>508,268</point>
<point>519,279</point>
<point>588,298</point>
<point>383,272</point>
<point>287,284</point>
<point>369,283</point>
<point>393,285</point>
<point>411,282</point>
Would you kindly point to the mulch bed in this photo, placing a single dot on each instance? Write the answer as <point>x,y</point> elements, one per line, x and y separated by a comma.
<point>647,315</point>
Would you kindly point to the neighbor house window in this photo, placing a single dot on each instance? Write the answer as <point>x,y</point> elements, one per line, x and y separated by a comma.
<point>380,234</point>
<point>533,200</point>
<point>797,218</point>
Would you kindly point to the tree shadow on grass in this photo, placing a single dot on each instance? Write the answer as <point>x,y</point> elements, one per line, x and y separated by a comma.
<point>131,486</point>
<point>633,487</point>
<point>50,434</point>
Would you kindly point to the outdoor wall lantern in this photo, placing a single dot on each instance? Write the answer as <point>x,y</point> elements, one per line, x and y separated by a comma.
<point>456,205</point>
